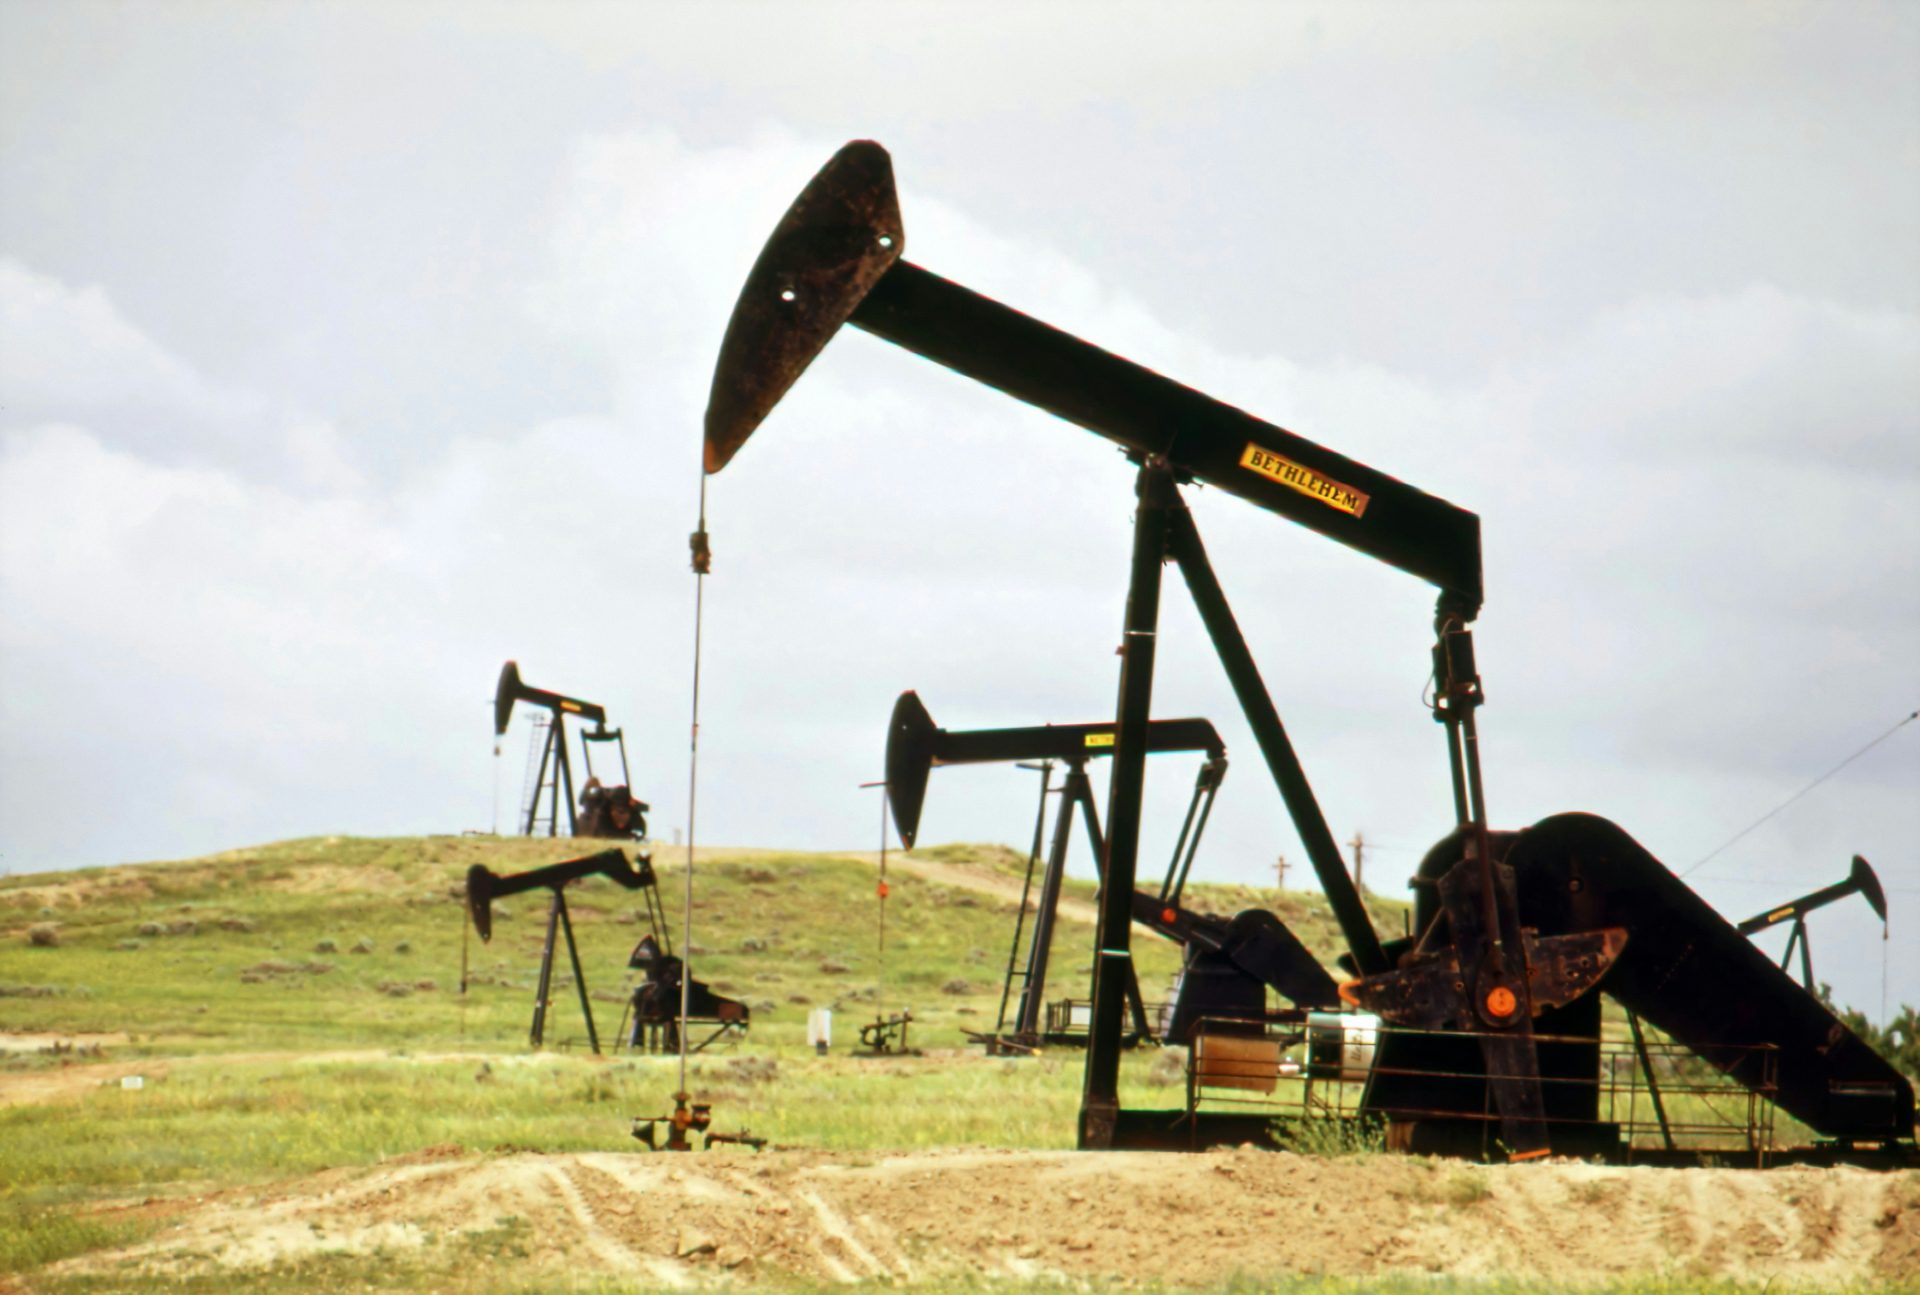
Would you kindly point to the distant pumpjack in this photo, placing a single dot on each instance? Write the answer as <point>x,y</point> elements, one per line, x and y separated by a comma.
<point>1860,881</point>
<point>604,811</point>
<point>485,886</point>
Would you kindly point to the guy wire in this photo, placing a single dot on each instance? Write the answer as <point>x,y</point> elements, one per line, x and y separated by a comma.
<point>700,560</point>
<point>1804,790</point>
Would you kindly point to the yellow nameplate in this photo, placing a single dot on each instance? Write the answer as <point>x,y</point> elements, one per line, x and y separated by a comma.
<point>1099,739</point>
<point>1305,480</point>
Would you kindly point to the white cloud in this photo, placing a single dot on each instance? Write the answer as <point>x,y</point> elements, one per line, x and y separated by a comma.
<point>68,355</point>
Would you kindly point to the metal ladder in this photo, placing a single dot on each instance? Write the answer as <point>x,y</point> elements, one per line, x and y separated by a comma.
<point>539,776</point>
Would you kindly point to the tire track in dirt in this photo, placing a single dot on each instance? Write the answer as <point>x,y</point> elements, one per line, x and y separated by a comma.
<point>1192,1220</point>
<point>609,1249</point>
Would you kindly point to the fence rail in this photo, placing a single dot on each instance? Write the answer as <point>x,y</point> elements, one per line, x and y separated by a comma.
<point>1653,1096</point>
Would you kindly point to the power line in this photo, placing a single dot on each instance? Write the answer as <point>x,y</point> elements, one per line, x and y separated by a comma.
<point>1804,790</point>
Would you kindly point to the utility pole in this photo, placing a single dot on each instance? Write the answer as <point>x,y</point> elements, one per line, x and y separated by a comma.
<point>1359,844</point>
<point>1280,873</point>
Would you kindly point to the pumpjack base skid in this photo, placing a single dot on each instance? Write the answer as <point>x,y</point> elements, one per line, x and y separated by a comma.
<point>1180,1130</point>
<point>1027,1045</point>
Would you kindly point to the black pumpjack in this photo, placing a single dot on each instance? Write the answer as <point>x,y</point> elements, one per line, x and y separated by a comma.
<point>1513,924</point>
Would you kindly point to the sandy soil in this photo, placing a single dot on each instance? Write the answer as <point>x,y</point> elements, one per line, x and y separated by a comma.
<point>733,1217</point>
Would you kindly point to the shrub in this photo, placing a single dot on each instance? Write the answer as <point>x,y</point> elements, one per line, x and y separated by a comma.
<point>43,935</point>
<point>1899,1043</point>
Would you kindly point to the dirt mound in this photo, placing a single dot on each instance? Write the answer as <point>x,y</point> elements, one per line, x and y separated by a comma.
<point>1196,1220</point>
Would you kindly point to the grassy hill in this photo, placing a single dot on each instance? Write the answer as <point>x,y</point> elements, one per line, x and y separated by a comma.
<point>297,1007</point>
<point>346,942</point>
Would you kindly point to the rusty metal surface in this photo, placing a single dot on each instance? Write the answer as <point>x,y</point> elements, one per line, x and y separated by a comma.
<point>837,239</point>
<point>1430,992</point>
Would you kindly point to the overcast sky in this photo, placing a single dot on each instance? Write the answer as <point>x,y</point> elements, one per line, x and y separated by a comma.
<point>347,351</point>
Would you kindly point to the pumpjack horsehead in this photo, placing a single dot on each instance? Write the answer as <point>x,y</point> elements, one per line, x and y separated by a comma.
<point>1517,931</point>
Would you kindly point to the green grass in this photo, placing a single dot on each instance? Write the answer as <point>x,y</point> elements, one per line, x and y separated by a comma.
<point>223,954</point>
<point>222,972</point>
<point>213,969</point>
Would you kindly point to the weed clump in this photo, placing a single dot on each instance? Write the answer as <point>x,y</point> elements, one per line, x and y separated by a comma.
<point>362,945</point>
<point>130,945</point>
<point>833,967</point>
<point>1169,1067</point>
<point>752,1070</point>
<point>1331,1136</point>
<point>44,935</point>
<point>405,946</point>
<point>241,924</point>
<point>753,944</point>
<point>151,929</point>
<point>183,926</point>
<point>326,946</point>
<point>263,971</point>
<point>957,987</point>
<point>396,988</point>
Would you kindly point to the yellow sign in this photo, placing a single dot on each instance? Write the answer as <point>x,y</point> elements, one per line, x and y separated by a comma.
<point>1294,476</point>
<point>573,706</point>
<point>1099,739</point>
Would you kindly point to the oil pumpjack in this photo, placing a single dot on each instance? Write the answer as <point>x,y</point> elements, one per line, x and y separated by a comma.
<point>1228,964</point>
<point>1517,931</point>
<point>609,810</point>
<point>1860,881</point>
<point>484,886</point>
<point>654,1008</point>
